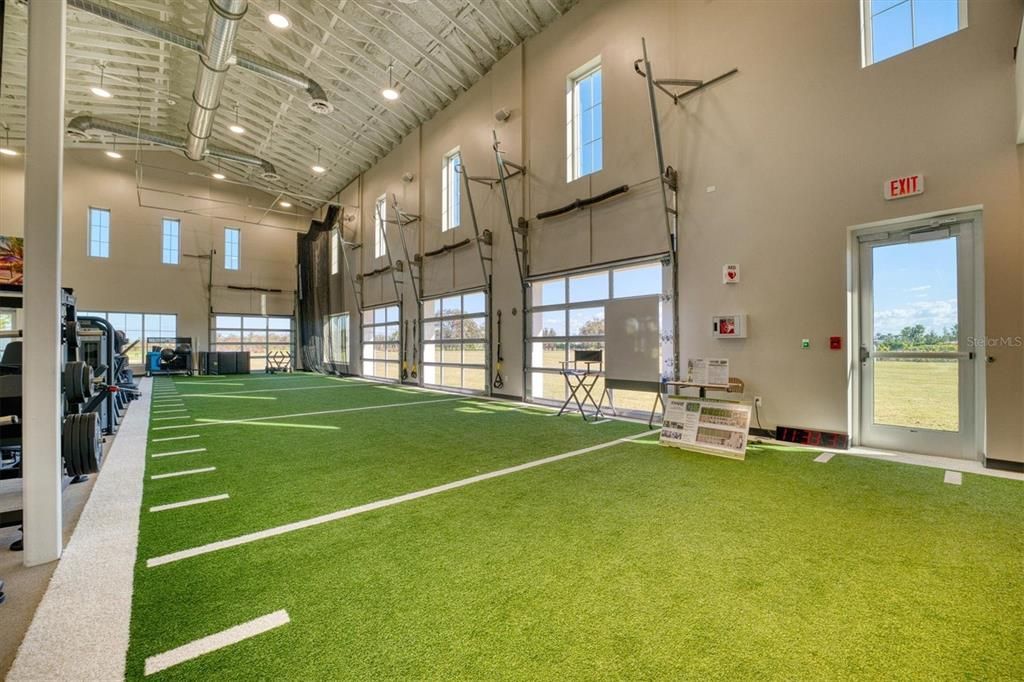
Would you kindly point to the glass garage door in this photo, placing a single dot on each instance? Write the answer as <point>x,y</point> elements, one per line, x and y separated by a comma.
<point>381,342</point>
<point>455,341</point>
<point>256,334</point>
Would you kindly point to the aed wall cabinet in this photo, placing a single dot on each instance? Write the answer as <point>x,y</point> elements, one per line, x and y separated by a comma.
<point>729,326</point>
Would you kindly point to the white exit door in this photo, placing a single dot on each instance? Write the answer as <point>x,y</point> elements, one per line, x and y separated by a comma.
<point>917,368</point>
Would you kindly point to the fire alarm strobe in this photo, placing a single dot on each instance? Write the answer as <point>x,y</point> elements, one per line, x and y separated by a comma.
<point>835,342</point>
<point>730,274</point>
<point>729,326</point>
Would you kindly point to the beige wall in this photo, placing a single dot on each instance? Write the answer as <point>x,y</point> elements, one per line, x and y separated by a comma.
<point>133,279</point>
<point>797,146</point>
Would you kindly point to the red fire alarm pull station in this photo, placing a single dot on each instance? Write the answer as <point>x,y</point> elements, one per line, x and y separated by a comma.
<point>835,342</point>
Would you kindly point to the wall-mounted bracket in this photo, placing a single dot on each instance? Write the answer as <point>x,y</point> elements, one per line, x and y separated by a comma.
<point>693,86</point>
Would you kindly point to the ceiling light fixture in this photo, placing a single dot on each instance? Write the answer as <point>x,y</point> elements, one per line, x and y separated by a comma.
<point>285,204</point>
<point>390,93</point>
<point>99,90</point>
<point>6,149</point>
<point>236,127</point>
<point>278,19</point>
<point>112,152</point>
<point>218,174</point>
<point>317,168</point>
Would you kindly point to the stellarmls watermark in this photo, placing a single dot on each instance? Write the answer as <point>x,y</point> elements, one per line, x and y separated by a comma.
<point>995,341</point>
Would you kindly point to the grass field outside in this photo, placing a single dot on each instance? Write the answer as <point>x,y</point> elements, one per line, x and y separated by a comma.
<point>917,394</point>
<point>629,561</point>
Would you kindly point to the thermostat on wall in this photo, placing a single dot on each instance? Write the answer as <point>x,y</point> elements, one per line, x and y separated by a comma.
<point>729,326</point>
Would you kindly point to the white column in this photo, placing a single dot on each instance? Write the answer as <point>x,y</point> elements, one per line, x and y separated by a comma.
<point>44,170</point>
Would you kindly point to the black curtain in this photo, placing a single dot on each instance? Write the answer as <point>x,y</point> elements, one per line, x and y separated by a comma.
<point>315,292</point>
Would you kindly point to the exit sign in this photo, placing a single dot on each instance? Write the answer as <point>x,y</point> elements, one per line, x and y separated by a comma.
<point>908,186</point>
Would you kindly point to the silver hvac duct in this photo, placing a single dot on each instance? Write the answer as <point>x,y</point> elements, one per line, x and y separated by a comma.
<point>222,19</point>
<point>182,38</point>
<point>80,126</point>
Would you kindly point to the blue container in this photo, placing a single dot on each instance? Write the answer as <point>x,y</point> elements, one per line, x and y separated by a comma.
<point>153,361</point>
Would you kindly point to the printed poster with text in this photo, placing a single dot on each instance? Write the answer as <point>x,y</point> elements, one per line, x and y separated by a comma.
<point>711,426</point>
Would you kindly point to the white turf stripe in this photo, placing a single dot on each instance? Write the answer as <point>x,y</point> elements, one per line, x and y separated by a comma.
<point>104,543</point>
<point>953,478</point>
<point>167,419</point>
<point>187,472</point>
<point>171,411</point>
<point>222,422</point>
<point>824,457</point>
<point>276,390</point>
<point>379,504</point>
<point>188,503</point>
<point>164,440</point>
<point>178,452</point>
<point>226,638</point>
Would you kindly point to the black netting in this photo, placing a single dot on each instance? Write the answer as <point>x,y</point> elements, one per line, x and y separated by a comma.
<point>315,296</point>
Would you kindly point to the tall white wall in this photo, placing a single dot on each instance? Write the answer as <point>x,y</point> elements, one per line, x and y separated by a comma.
<point>797,146</point>
<point>133,279</point>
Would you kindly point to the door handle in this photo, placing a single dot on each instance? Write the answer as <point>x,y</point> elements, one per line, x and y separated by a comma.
<point>864,354</point>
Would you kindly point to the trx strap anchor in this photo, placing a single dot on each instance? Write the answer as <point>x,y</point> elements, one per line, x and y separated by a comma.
<point>499,380</point>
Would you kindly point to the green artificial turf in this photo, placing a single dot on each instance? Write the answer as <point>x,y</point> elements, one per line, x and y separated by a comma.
<point>635,561</point>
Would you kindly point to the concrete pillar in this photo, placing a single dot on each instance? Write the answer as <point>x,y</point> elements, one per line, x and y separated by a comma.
<point>44,170</point>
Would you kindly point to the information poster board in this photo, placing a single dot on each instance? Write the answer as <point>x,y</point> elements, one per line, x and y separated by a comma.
<point>716,427</point>
<point>707,371</point>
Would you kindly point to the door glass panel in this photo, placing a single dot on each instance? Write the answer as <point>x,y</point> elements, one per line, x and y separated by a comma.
<point>915,311</point>
<point>915,296</point>
<point>915,393</point>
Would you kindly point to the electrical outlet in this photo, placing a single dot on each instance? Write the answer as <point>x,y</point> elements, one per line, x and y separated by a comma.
<point>757,401</point>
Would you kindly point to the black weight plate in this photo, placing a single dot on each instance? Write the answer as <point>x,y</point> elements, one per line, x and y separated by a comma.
<point>87,378</point>
<point>71,333</point>
<point>67,431</point>
<point>83,444</point>
<point>91,454</point>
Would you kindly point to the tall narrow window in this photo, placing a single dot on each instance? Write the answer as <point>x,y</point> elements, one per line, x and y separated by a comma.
<point>232,239</point>
<point>99,233</point>
<point>380,241</point>
<point>171,246</point>
<point>892,27</point>
<point>335,247</point>
<point>583,124</point>
<point>451,191</point>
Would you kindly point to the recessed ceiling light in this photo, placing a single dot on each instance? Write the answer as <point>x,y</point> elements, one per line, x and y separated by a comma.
<point>218,176</point>
<point>278,19</point>
<point>285,204</point>
<point>113,154</point>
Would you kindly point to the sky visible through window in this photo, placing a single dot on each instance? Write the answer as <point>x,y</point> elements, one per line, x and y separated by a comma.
<point>901,25</point>
<point>915,284</point>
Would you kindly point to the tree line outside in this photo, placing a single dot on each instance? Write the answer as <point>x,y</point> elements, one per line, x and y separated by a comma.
<point>918,338</point>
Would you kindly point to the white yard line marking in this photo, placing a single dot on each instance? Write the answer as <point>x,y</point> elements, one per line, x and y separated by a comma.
<point>166,419</point>
<point>824,457</point>
<point>171,411</point>
<point>187,472</point>
<point>188,503</point>
<point>276,390</point>
<point>224,394</point>
<point>953,478</point>
<point>178,452</point>
<point>379,504</point>
<point>226,638</point>
<point>164,440</point>
<point>221,422</point>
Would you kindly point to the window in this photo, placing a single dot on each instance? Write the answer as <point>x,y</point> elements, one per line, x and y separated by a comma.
<point>232,237</point>
<point>139,327</point>
<point>380,241</point>
<point>99,232</point>
<point>451,191</point>
<point>258,335</point>
<point>381,341</point>
<point>455,341</point>
<point>891,27</point>
<point>8,318</point>
<point>336,339</point>
<point>171,248</point>
<point>568,315</point>
<point>583,122</point>
<point>335,247</point>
